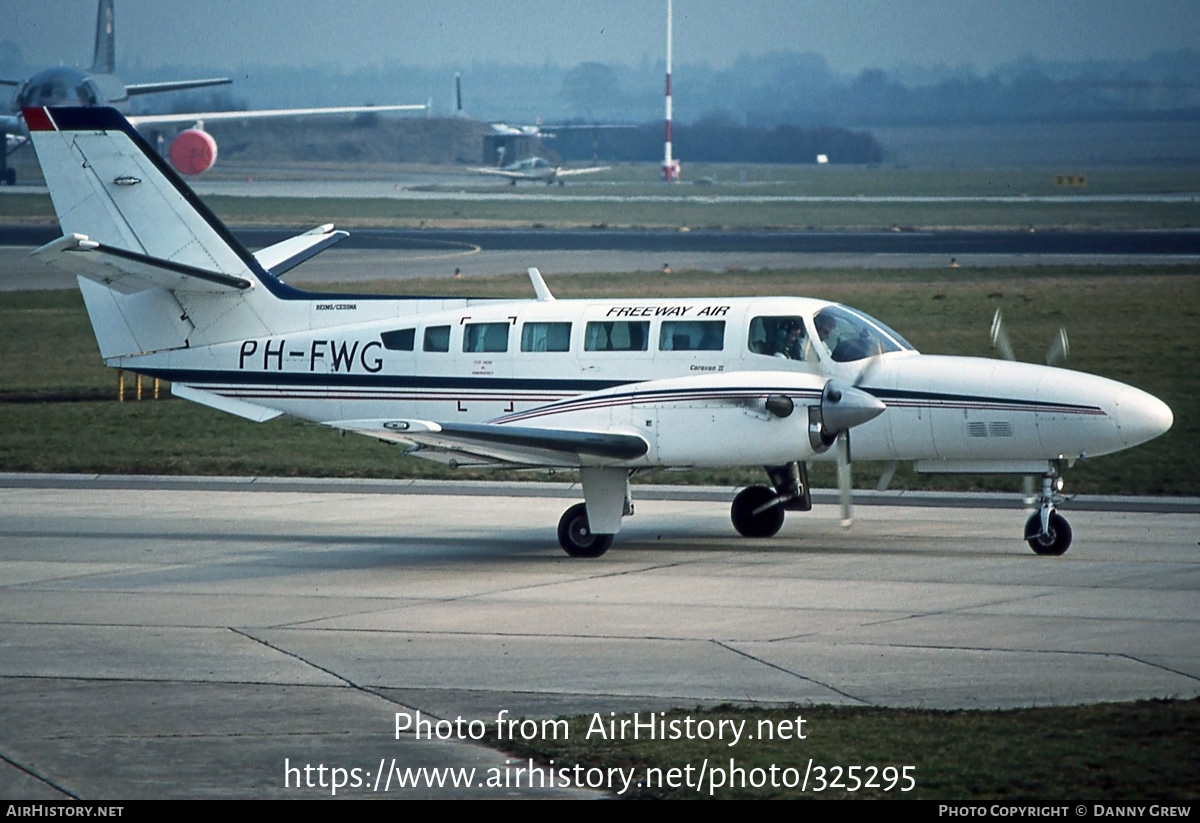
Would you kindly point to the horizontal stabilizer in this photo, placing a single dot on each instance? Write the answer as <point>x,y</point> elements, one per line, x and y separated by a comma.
<point>133,89</point>
<point>518,445</point>
<point>287,254</point>
<point>130,271</point>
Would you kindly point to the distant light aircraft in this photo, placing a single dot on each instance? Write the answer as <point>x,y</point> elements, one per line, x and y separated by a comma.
<point>193,151</point>
<point>530,129</point>
<point>608,387</point>
<point>537,170</point>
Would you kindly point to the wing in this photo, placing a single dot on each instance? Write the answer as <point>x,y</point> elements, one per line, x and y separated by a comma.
<point>590,170</point>
<point>141,121</point>
<point>511,175</point>
<point>495,444</point>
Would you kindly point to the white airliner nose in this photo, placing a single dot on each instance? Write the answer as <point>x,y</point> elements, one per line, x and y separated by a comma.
<point>1140,416</point>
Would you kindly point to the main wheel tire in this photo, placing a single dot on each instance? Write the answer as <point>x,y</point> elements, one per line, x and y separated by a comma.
<point>1053,543</point>
<point>748,524</point>
<point>576,536</point>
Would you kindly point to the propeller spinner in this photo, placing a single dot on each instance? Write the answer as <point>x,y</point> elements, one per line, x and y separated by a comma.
<point>841,409</point>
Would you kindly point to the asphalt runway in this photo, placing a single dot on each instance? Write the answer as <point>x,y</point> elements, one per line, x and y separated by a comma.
<point>182,638</point>
<point>399,254</point>
<point>19,273</point>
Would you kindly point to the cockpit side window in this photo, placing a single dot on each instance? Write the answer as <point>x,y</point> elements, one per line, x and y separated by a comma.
<point>779,336</point>
<point>86,95</point>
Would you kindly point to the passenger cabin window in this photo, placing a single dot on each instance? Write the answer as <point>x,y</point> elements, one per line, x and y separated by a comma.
<point>437,338</point>
<point>691,335</point>
<point>546,337</point>
<point>400,340</point>
<point>485,337</point>
<point>779,336</point>
<point>616,336</point>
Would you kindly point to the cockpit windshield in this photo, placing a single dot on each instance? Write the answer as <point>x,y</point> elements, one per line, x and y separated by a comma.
<point>58,86</point>
<point>847,334</point>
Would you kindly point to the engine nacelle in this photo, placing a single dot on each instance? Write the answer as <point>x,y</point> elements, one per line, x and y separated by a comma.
<point>194,151</point>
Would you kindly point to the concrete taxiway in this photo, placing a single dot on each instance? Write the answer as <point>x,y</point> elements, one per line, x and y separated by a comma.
<point>182,638</point>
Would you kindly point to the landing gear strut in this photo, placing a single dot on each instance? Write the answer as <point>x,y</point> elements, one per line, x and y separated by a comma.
<point>1047,531</point>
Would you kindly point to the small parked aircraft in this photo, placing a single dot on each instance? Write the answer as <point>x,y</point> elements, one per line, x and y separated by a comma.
<point>192,151</point>
<point>609,387</point>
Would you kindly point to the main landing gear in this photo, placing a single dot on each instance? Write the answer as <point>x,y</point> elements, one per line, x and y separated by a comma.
<point>576,536</point>
<point>1047,531</point>
<point>756,512</point>
<point>587,529</point>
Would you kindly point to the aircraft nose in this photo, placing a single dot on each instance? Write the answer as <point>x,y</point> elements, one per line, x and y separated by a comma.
<point>1141,416</point>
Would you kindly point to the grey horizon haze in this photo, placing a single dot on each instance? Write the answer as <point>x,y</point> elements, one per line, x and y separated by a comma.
<point>851,35</point>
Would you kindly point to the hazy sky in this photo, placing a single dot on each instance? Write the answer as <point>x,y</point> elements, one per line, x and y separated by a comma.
<point>850,34</point>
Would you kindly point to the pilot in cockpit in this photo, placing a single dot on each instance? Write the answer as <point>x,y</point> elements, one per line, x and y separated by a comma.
<point>794,343</point>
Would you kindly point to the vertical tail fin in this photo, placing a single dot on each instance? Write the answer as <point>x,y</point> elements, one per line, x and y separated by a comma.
<point>158,270</point>
<point>104,59</point>
<point>108,184</point>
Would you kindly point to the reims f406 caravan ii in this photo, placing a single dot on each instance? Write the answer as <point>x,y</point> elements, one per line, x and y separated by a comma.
<point>608,387</point>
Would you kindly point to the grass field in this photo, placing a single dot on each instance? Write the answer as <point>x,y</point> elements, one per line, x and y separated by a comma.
<point>1135,325</point>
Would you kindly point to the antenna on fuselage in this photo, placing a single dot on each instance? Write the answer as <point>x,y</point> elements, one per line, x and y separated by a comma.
<point>539,286</point>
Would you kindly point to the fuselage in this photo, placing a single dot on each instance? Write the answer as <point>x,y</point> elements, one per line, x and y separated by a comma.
<point>698,363</point>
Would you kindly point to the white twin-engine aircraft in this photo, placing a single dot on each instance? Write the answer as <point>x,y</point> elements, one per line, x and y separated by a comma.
<point>609,387</point>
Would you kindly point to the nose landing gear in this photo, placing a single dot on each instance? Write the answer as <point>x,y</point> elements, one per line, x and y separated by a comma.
<point>1047,531</point>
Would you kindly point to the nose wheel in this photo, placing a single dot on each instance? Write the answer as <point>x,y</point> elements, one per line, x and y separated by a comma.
<point>1047,531</point>
<point>1056,538</point>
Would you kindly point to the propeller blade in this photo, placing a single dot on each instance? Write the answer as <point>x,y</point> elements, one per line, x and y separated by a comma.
<point>1000,337</point>
<point>1027,492</point>
<point>843,476</point>
<point>810,353</point>
<point>1060,347</point>
<point>870,363</point>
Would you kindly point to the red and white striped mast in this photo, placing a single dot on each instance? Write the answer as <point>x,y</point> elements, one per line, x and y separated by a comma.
<point>670,166</point>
